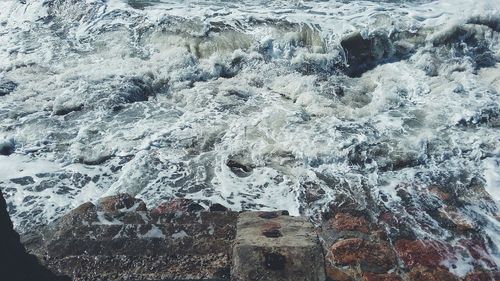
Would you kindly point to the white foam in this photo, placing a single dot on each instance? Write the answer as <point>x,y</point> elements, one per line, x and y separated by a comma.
<point>19,165</point>
<point>154,232</point>
<point>492,176</point>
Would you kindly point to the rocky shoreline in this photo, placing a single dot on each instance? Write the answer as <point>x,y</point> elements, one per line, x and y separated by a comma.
<point>119,238</point>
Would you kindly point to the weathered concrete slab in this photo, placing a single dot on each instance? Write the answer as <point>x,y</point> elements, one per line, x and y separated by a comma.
<point>273,246</point>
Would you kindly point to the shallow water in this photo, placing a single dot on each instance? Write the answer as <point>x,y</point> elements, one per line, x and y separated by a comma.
<point>254,105</point>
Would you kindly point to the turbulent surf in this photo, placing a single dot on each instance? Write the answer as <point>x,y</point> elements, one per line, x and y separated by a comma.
<point>257,105</point>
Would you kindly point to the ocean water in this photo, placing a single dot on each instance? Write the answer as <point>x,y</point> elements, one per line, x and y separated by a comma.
<point>297,105</point>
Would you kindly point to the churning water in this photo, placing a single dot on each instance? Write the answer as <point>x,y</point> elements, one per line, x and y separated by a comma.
<point>296,105</point>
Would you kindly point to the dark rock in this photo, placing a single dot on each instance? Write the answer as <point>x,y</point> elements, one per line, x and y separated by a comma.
<point>239,169</point>
<point>269,215</point>
<point>478,250</point>
<point>7,147</point>
<point>195,207</point>
<point>23,181</point>
<point>83,214</point>
<point>364,53</point>
<point>217,208</point>
<point>342,203</point>
<point>63,110</point>
<point>15,263</point>
<point>6,87</point>
<point>311,192</point>
<point>398,227</point>
<point>120,240</point>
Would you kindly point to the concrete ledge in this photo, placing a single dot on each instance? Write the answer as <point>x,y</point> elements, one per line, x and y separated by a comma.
<point>271,246</point>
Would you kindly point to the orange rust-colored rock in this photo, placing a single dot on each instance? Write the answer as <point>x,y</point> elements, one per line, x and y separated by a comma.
<point>438,192</point>
<point>462,222</point>
<point>483,276</point>
<point>381,277</point>
<point>335,274</point>
<point>430,274</point>
<point>345,221</point>
<point>372,256</point>
<point>421,252</point>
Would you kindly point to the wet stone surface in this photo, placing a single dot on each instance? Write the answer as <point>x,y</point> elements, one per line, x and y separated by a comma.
<point>358,247</point>
<point>119,238</point>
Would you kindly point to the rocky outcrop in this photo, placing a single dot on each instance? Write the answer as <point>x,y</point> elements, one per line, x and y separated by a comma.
<point>15,263</point>
<point>365,53</point>
<point>119,238</point>
<point>360,248</point>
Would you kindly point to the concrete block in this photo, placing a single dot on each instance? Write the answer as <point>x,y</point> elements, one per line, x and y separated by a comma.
<point>273,246</point>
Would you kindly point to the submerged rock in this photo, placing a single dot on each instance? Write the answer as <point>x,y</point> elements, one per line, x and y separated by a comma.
<point>7,86</point>
<point>217,208</point>
<point>363,53</point>
<point>7,147</point>
<point>119,202</point>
